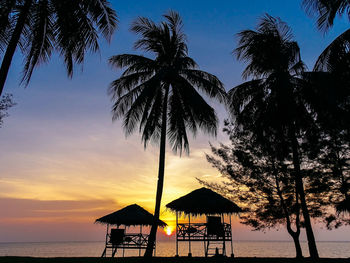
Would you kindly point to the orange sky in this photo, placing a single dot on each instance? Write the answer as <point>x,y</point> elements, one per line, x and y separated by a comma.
<point>57,174</point>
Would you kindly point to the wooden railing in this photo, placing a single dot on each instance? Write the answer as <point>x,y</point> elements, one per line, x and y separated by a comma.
<point>198,232</point>
<point>131,241</point>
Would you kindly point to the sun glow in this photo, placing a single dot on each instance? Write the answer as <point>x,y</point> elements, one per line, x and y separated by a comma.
<point>168,230</point>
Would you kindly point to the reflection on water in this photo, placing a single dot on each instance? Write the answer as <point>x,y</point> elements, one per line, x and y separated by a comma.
<point>167,249</point>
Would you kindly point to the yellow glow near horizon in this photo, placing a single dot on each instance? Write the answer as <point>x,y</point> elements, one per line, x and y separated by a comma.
<point>69,179</point>
<point>168,230</point>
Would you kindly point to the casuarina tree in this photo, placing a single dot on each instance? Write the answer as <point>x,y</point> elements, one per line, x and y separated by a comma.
<point>262,183</point>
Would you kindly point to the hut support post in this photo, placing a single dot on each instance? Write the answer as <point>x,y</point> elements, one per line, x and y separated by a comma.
<point>189,236</point>
<point>232,254</point>
<point>105,250</point>
<point>114,251</point>
<point>140,240</point>
<point>177,244</point>
<point>224,238</point>
<point>107,234</point>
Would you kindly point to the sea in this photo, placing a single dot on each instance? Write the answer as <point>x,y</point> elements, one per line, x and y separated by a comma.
<point>167,249</point>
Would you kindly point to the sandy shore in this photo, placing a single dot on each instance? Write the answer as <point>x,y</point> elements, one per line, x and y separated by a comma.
<point>166,260</point>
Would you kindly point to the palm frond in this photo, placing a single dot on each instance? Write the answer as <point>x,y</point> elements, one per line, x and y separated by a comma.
<point>176,121</point>
<point>176,26</point>
<point>335,52</point>
<point>77,28</point>
<point>326,11</point>
<point>206,82</point>
<point>202,113</point>
<point>151,124</point>
<point>40,43</point>
<point>268,49</point>
<point>124,101</point>
<point>143,25</point>
<point>241,94</point>
<point>7,8</point>
<point>103,15</point>
<point>126,60</point>
<point>126,83</point>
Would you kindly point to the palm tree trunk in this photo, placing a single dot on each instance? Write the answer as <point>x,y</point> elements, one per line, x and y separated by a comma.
<point>11,48</point>
<point>300,189</point>
<point>152,236</point>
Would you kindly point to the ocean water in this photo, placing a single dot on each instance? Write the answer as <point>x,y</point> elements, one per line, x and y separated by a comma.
<point>167,249</point>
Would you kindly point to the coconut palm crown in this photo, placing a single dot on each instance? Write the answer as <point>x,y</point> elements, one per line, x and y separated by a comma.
<point>327,10</point>
<point>161,96</point>
<point>41,27</point>
<point>338,51</point>
<point>171,80</point>
<point>270,99</point>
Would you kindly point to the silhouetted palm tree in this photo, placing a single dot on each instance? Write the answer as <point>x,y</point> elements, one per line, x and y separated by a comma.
<point>160,95</point>
<point>335,78</point>
<point>326,11</point>
<point>270,106</point>
<point>40,27</point>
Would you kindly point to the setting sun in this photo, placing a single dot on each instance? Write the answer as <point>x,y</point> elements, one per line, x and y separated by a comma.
<point>168,230</point>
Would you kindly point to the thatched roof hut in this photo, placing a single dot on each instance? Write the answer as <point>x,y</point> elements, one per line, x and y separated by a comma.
<point>203,201</point>
<point>132,215</point>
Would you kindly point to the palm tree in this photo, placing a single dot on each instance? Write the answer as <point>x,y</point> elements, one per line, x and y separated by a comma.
<point>333,66</point>
<point>160,95</point>
<point>326,11</point>
<point>270,106</point>
<point>40,27</point>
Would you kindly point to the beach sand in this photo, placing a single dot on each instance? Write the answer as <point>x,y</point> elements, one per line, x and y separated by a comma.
<point>167,260</point>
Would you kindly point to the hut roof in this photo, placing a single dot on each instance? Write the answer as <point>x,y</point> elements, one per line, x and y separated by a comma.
<point>131,215</point>
<point>203,201</point>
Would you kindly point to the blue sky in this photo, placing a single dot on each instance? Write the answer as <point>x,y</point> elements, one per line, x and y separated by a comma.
<point>59,144</point>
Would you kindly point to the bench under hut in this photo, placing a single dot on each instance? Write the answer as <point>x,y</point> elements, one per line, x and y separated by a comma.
<point>215,232</point>
<point>117,238</point>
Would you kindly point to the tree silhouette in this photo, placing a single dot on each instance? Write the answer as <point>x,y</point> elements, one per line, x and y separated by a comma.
<point>264,183</point>
<point>331,77</point>
<point>271,105</point>
<point>258,180</point>
<point>6,102</point>
<point>329,95</point>
<point>160,95</point>
<point>40,27</point>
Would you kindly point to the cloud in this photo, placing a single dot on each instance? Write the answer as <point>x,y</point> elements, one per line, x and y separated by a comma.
<point>30,210</point>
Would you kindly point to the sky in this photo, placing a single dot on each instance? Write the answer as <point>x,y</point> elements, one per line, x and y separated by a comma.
<point>64,163</point>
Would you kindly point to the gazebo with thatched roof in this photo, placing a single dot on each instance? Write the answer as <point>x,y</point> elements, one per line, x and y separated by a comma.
<point>132,215</point>
<point>215,232</point>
